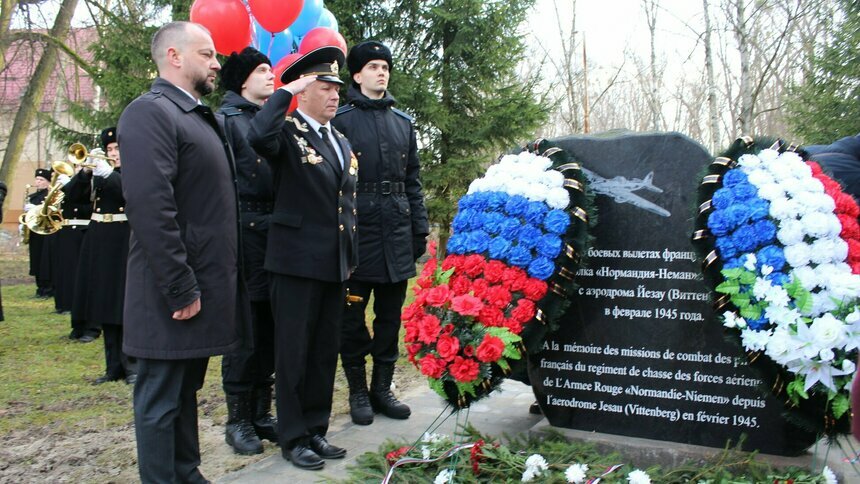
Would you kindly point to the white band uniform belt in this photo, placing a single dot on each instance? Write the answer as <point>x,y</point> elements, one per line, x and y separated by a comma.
<point>109,217</point>
<point>75,221</point>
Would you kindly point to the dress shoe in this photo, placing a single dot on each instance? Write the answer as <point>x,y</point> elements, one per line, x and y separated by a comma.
<point>325,450</point>
<point>303,457</point>
<point>87,338</point>
<point>131,379</point>
<point>105,379</point>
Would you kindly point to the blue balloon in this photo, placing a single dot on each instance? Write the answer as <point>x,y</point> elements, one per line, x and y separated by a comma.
<point>308,18</point>
<point>327,20</point>
<point>275,47</point>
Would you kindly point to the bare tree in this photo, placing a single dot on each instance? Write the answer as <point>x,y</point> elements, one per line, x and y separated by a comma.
<point>651,8</point>
<point>713,117</point>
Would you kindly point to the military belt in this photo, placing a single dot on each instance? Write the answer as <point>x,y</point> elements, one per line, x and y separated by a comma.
<point>255,206</point>
<point>75,221</point>
<point>383,188</point>
<point>109,217</point>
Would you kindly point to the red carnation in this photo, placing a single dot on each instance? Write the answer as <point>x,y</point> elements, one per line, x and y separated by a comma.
<point>411,327</point>
<point>855,268</point>
<point>534,289</point>
<point>429,268</point>
<point>428,329</point>
<point>452,261</point>
<point>490,349</point>
<point>431,248</point>
<point>850,229</point>
<point>524,312</point>
<point>464,369</point>
<point>432,366</point>
<point>395,455</point>
<point>476,456</point>
<point>479,288</point>
<point>853,251</point>
<point>491,316</point>
<point>493,271</point>
<point>498,296</point>
<point>514,278</point>
<point>420,296</point>
<point>473,265</point>
<point>448,329</point>
<point>460,285</point>
<point>438,295</point>
<point>424,281</point>
<point>410,312</point>
<point>830,187</point>
<point>513,325</point>
<point>846,204</point>
<point>816,168</point>
<point>447,347</point>
<point>469,350</point>
<point>467,305</point>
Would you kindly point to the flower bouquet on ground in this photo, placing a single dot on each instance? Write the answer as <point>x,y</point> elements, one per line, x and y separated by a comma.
<point>512,257</point>
<point>782,246</point>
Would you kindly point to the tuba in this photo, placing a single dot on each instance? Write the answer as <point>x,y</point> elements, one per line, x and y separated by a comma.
<point>47,217</point>
<point>78,155</point>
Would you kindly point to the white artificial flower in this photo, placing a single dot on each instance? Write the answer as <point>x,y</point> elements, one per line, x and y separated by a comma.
<point>749,262</point>
<point>823,251</point>
<point>535,465</point>
<point>790,232</point>
<point>848,366</point>
<point>432,438</point>
<point>552,179</point>
<point>777,297</point>
<point>444,476</point>
<point>638,477</point>
<point>822,303</point>
<point>829,476</point>
<point>755,340</point>
<point>814,185</point>
<point>828,331</point>
<point>780,345</point>
<point>425,452</point>
<point>817,224</point>
<point>771,191</point>
<point>761,288</point>
<point>826,354</point>
<point>760,178</point>
<point>732,320</point>
<point>807,276</point>
<point>768,155</point>
<point>819,202</point>
<point>558,198</point>
<point>749,161</point>
<point>797,255</point>
<point>576,473</point>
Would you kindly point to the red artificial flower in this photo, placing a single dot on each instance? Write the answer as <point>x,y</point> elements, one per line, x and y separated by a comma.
<point>394,455</point>
<point>846,204</point>
<point>420,296</point>
<point>452,261</point>
<point>850,228</point>
<point>513,325</point>
<point>473,265</point>
<point>448,329</point>
<point>830,186</point>
<point>469,351</point>
<point>498,296</point>
<point>424,282</point>
<point>431,248</point>
<point>410,312</point>
<point>467,305</point>
<point>491,316</point>
<point>460,285</point>
<point>447,346</point>
<point>493,271</point>
<point>524,312</point>
<point>853,252</point>
<point>490,349</point>
<point>431,366</point>
<point>438,295</point>
<point>479,288</point>
<point>476,456</point>
<point>514,278</point>
<point>411,327</point>
<point>429,268</point>
<point>464,369</point>
<point>534,289</point>
<point>428,329</point>
<point>413,350</point>
<point>855,268</point>
<point>816,168</point>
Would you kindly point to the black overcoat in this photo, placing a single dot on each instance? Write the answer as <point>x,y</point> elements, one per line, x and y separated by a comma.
<point>313,225</point>
<point>383,139</point>
<point>182,207</point>
<point>77,209</point>
<point>36,241</point>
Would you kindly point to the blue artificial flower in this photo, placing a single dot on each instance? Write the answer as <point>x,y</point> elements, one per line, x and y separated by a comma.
<point>723,198</point>
<point>536,212</point>
<point>467,201</point>
<point>733,177</point>
<point>516,206</point>
<point>463,220</point>
<point>757,209</point>
<point>492,222</point>
<point>519,256</point>
<point>496,200</point>
<point>499,248</point>
<point>744,191</point>
<point>745,239</point>
<point>737,215</point>
<point>477,241</point>
<point>457,243</point>
<point>757,324</point>
<point>510,228</point>
<point>771,256</point>
<point>556,222</point>
<point>528,236</point>
<point>719,224</point>
<point>549,245</point>
<point>541,268</point>
<point>726,248</point>
<point>777,278</point>
<point>765,232</point>
<point>733,263</point>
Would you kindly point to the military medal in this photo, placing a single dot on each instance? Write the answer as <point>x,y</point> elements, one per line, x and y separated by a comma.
<point>353,164</point>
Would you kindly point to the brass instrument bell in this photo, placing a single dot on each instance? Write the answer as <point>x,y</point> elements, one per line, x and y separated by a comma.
<point>78,155</point>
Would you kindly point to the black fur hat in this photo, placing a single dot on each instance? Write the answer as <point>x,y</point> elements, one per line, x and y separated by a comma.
<point>239,66</point>
<point>108,136</point>
<point>365,52</point>
<point>44,173</point>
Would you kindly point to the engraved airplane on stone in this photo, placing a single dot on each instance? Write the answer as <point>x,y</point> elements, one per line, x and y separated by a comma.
<point>621,190</point>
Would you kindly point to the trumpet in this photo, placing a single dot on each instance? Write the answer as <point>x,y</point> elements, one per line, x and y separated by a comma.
<point>78,154</point>
<point>47,217</point>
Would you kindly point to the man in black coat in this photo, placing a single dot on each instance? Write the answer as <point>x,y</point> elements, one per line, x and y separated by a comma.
<point>392,229</point>
<point>247,376</point>
<point>184,300</point>
<point>36,244</point>
<point>311,249</point>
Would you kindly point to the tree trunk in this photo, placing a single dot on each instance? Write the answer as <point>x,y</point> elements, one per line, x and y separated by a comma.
<point>7,8</point>
<point>651,16</point>
<point>32,99</point>
<point>713,117</point>
<point>745,113</point>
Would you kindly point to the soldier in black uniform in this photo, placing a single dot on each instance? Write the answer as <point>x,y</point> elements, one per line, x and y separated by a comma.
<point>36,247</point>
<point>77,209</point>
<point>310,251</point>
<point>100,287</point>
<point>247,376</point>
<point>392,229</point>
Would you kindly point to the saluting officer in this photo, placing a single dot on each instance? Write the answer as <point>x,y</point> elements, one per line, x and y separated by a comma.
<point>392,229</point>
<point>311,249</point>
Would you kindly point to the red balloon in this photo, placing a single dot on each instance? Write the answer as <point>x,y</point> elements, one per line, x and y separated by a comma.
<point>228,23</point>
<point>279,69</point>
<point>322,37</point>
<point>275,15</point>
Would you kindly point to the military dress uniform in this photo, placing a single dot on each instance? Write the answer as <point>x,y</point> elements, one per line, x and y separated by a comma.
<point>36,246</point>
<point>77,209</point>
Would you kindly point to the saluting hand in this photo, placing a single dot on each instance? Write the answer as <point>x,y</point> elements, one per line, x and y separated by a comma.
<point>299,84</point>
<point>188,312</point>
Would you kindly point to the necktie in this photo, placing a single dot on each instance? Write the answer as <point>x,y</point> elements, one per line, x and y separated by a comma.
<point>327,141</point>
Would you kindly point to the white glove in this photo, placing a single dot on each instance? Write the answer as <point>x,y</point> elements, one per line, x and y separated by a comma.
<point>28,206</point>
<point>102,168</point>
<point>63,179</point>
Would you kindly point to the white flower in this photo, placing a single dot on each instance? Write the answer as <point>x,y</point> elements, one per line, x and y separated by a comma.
<point>535,465</point>
<point>749,161</point>
<point>755,340</point>
<point>732,320</point>
<point>848,366</point>
<point>807,276</point>
<point>558,198</point>
<point>826,354</point>
<point>749,262</point>
<point>771,191</point>
<point>784,209</point>
<point>817,224</point>
<point>790,232</point>
<point>829,476</point>
<point>431,438</point>
<point>425,452</point>
<point>828,331</point>
<point>827,250</point>
<point>760,178</point>
<point>816,201</point>
<point>444,476</point>
<point>576,473</point>
<point>768,155</point>
<point>777,296</point>
<point>638,477</point>
<point>822,303</point>
<point>761,288</point>
<point>780,345</point>
<point>797,255</point>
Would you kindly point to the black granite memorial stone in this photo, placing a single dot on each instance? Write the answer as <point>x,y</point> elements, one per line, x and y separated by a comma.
<point>640,352</point>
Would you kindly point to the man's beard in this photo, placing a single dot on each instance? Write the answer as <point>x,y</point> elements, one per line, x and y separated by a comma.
<point>203,86</point>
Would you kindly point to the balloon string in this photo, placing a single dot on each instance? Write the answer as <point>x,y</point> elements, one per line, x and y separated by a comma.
<point>271,41</point>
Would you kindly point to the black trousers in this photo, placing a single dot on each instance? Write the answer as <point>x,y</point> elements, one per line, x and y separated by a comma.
<point>356,342</point>
<point>117,364</point>
<point>165,420</point>
<point>242,372</point>
<point>307,316</point>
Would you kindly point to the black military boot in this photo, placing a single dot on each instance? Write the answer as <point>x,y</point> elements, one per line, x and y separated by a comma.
<point>359,401</point>
<point>240,433</point>
<point>381,398</point>
<point>265,424</point>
